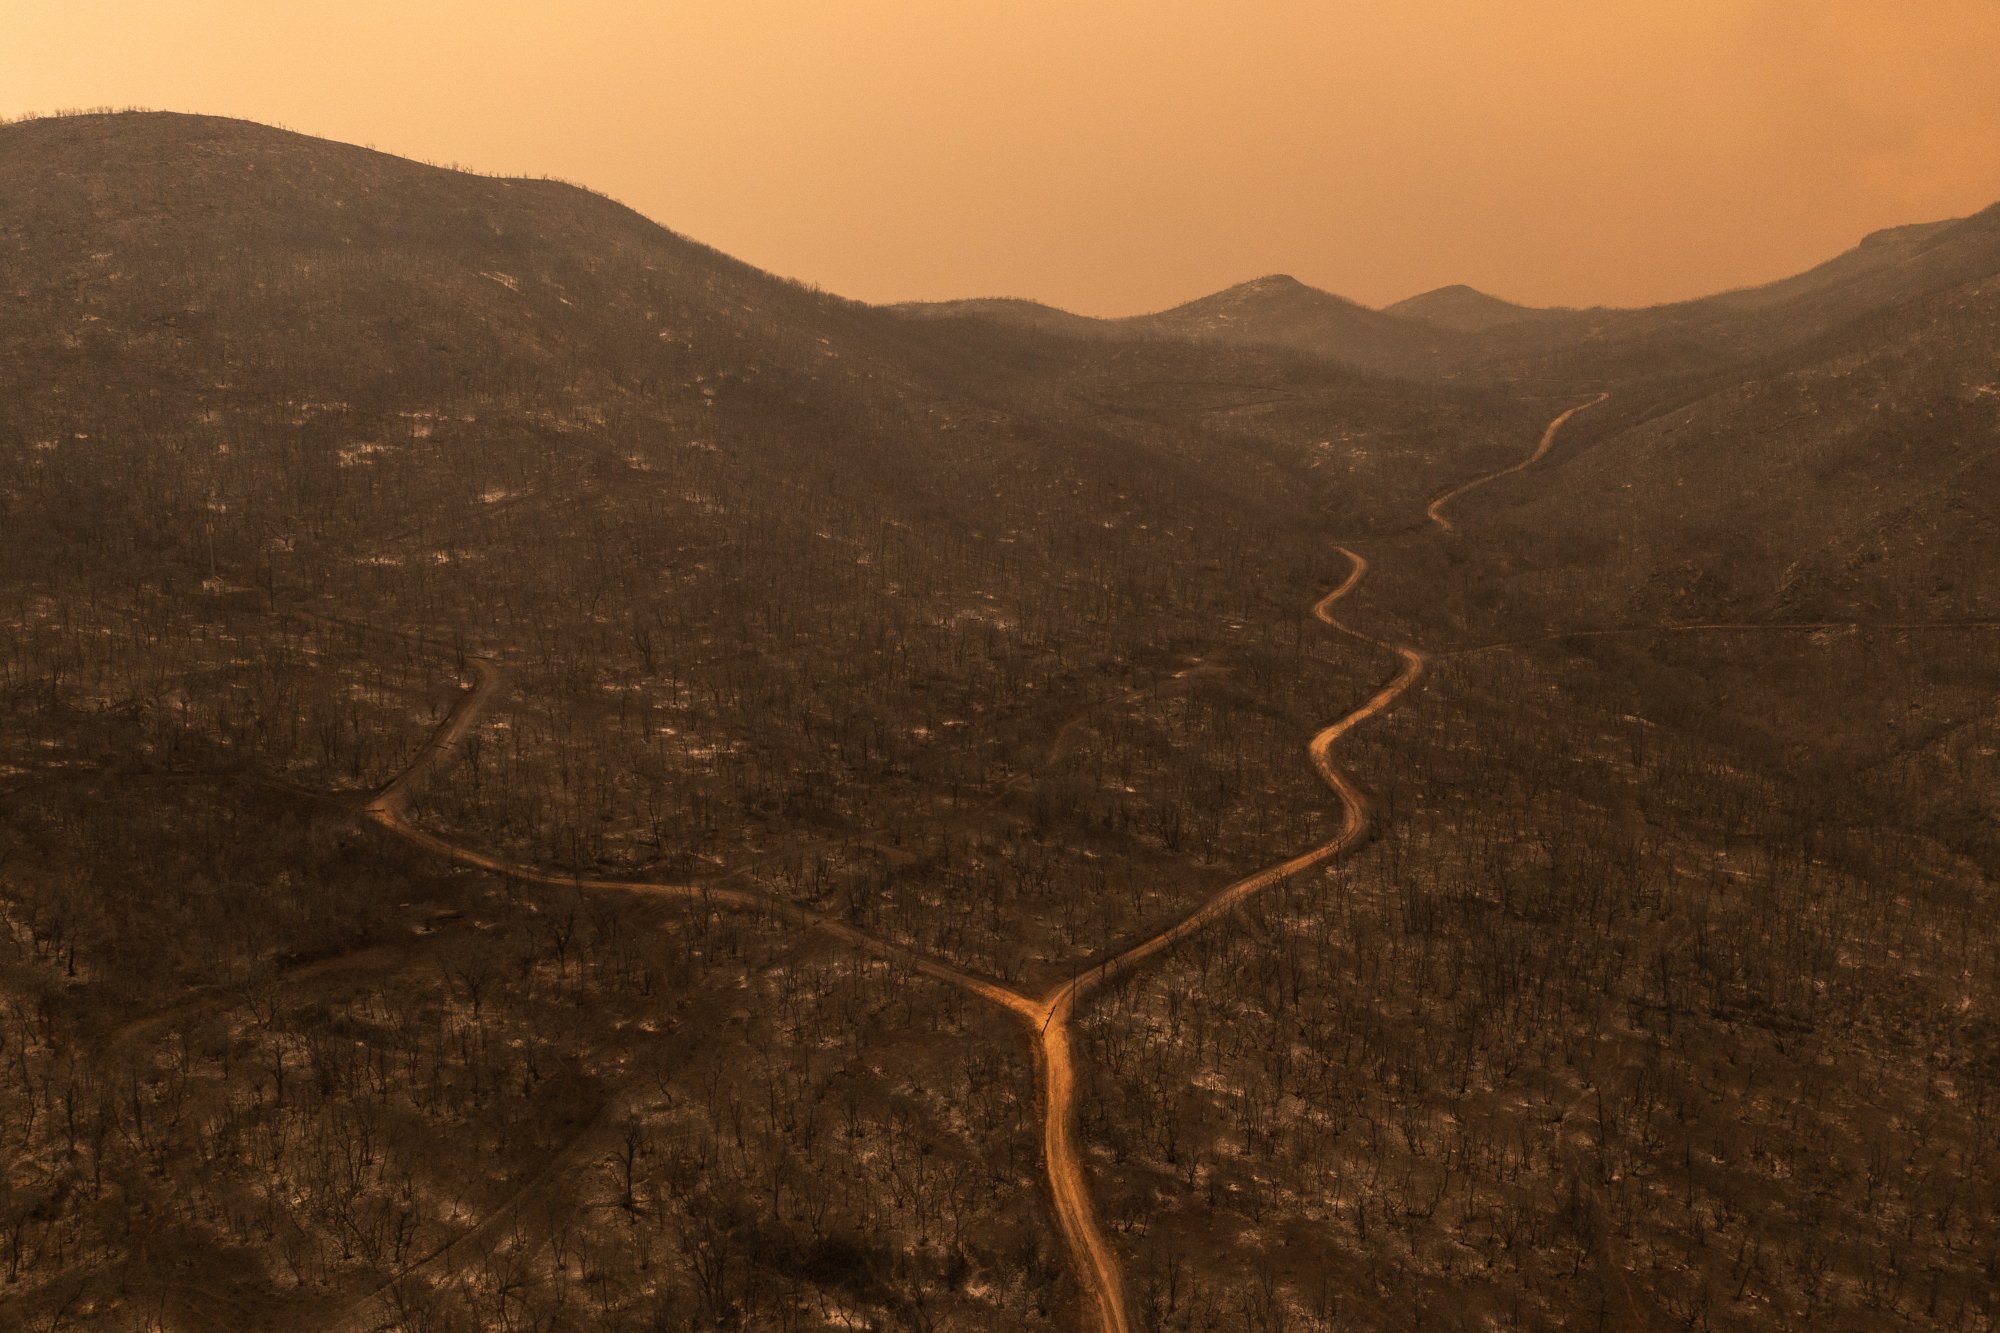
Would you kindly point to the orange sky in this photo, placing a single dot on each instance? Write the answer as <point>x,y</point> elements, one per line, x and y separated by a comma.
<point>1113,156</point>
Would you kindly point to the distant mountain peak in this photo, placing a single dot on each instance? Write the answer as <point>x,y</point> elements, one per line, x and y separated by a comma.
<point>1279,310</point>
<point>1273,290</point>
<point>1273,282</point>
<point>1462,309</point>
<point>1278,284</point>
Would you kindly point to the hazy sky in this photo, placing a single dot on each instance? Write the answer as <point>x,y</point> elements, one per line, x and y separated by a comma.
<point>1114,156</point>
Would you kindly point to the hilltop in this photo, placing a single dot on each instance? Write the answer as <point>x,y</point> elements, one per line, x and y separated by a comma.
<point>1282,311</point>
<point>1463,309</point>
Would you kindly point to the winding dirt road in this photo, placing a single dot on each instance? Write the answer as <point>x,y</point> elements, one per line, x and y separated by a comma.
<point>389,808</point>
<point>1095,1263</point>
<point>1048,1018</point>
<point>1436,508</point>
<point>1093,1260</point>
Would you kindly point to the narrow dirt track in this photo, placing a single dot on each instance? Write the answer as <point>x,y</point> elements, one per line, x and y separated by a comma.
<point>1092,1257</point>
<point>1726,627</point>
<point>388,808</point>
<point>1094,1262</point>
<point>1354,805</point>
<point>1436,508</point>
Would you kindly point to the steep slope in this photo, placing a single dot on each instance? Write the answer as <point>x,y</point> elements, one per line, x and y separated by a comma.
<point>1893,263</point>
<point>1848,480</point>
<point>785,593</point>
<point>1711,337</point>
<point>1827,512</point>
<point>170,237</point>
<point>285,374</point>
<point>1718,670</point>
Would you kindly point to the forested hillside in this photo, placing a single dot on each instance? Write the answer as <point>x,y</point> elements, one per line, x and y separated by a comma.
<point>539,760</point>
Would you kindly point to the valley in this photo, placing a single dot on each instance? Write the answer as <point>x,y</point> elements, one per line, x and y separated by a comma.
<point>553,779</point>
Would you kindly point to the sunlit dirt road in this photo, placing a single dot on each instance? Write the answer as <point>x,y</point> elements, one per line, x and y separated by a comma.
<point>1436,509</point>
<point>1094,1262</point>
<point>1096,1265</point>
<point>389,809</point>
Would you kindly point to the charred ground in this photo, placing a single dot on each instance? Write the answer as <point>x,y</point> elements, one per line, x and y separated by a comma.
<point>1662,996</point>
